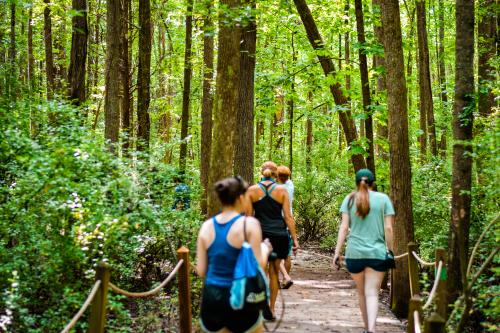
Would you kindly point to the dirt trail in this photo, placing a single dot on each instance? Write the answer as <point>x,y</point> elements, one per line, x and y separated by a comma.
<point>325,300</point>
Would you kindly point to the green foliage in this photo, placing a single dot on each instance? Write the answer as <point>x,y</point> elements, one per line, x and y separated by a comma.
<point>66,203</point>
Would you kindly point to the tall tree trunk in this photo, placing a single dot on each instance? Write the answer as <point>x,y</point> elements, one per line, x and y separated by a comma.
<point>126,75</point>
<point>207,99</point>
<point>316,42</point>
<point>458,240</point>
<point>187,86</point>
<point>226,98</point>
<point>76,72</point>
<point>144,75</point>
<point>487,32</point>
<point>400,170</point>
<point>12,45</point>
<point>49,57</point>
<point>424,75</point>
<point>31,57</point>
<point>379,62</point>
<point>291,107</point>
<point>365,84</point>
<point>441,63</point>
<point>309,137</point>
<point>244,159</point>
<point>114,49</point>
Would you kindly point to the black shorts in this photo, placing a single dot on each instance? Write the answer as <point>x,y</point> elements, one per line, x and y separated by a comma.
<point>280,245</point>
<point>355,266</point>
<point>216,313</point>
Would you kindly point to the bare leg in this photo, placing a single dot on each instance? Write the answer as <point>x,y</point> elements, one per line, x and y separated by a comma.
<point>373,280</point>
<point>259,329</point>
<point>288,264</point>
<point>284,271</point>
<point>359,278</point>
<point>274,268</point>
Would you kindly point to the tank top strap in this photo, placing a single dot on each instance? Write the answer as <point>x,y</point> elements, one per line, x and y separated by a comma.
<point>222,229</point>
<point>271,188</point>
<point>266,188</point>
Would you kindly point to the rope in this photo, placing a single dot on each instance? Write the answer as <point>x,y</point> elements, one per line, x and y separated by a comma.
<point>416,320</point>
<point>152,291</point>
<point>84,307</point>
<point>435,286</point>
<point>421,261</point>
<point>401,256</point>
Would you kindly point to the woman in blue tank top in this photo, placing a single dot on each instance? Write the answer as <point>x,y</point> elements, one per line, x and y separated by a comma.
<point>219,244</point>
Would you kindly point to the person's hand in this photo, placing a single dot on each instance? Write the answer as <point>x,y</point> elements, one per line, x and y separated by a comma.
<point>295,247</point>
<point>336,261</point>
<point>267,242</point>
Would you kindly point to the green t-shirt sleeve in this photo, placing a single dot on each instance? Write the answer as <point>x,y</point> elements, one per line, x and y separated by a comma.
<point>345,205</point>
<point>388,208</point>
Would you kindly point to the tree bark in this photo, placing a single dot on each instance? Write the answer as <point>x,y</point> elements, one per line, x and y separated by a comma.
<point>226,99</point>
<point>126,75</point>
<point>207,99</point>
<point>12,45</point>
<point>400,170</point>
<point>365,84</point>
<point>441,63</point>
<point>340,99</point>
<point>424,75</point>
<point>144,75</point>
<point>114,50</point>
<point>78,58</point>
<point>49,58</point>
<point>187,86</point>
<point>244,158</point>
<point>31,57</point>
<point>463,108</point>
<point>487,33</point>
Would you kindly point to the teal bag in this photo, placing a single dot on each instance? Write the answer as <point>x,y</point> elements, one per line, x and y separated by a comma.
<point>250,288</point>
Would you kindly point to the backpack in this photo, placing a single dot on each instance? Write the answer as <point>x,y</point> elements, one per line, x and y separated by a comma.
<point>250,288</point>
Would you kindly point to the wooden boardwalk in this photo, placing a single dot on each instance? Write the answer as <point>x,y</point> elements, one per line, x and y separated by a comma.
<point>325,300</point>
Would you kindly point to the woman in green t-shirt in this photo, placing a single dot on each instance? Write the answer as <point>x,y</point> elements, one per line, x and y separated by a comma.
<point>367,216</point>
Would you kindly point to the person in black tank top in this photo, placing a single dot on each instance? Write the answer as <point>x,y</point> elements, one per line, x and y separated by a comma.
<point>271,206</point>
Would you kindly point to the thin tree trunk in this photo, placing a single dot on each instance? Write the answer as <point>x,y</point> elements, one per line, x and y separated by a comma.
<point>316,42</point>
<point>127,100</point>
<point>244,158</point>
<point>207,99</point>
<point>31,57</point>
<point>187,86</point>
<point>487,32</point>
<point>458,240</point>
<point>400,170</point>
<point>76,72</point>
<point>365,84</point>
<point>441,63</point>
<point>49,58</point>
<point>226,99</point>
<point>426,105</point>
<point>114,51</point>
<point>291,106</point>
<point>144,75</point>
<point>12,45</point>
<point>309,137</point>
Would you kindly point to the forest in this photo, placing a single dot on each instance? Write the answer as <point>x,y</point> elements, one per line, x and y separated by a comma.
<point>107,106</point>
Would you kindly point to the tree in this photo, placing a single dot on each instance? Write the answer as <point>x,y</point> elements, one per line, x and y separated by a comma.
<point>207,100</point>
<point>114,51</point>
<point>244,148</point>
<point>31,57</point>
<point>126,100</point>
<point>400,170</point>
<point>316,42</point>
<point>487,34</point>
<point>49,58</point>
<point>226,98</point>
<point>424,80</point>
<point>144,75</point>
<point>463,108</point>
<point>78,58</point>
<point>441,62</point>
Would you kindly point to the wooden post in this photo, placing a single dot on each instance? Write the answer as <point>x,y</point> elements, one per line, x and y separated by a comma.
<point>415,305</point>
<point>97,320</point>
<point>413,270</point>
<point>184,291</point>
<point>434,324</point>
<point>442,297</point>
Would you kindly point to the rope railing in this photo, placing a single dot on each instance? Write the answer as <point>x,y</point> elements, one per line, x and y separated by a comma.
<point>99,292</point>
<point>416,322</point>
<point>151,292</point>
<point>432,294</point>
<point>422,261</point>
<point>402,255</point>
<point>83,308</point>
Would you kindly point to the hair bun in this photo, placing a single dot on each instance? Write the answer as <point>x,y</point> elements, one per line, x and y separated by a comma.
<point>267,173</point>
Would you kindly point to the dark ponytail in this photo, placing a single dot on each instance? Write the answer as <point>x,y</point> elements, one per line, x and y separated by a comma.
<point>229,189</point>
<point>362,199</point>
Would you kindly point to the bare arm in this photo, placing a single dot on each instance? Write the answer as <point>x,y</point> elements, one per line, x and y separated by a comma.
<point>254,235</point>
<point>290,222</point>
<point>201,254</point>
<point>389,239</point>
<point>248,203</point>
<point>343,230</point>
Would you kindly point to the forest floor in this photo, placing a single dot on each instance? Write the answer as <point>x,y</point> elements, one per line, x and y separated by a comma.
<point>324,300</point>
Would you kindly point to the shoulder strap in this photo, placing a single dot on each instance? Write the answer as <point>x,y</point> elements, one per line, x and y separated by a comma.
<point>245,229</point>
<point>271,188</point>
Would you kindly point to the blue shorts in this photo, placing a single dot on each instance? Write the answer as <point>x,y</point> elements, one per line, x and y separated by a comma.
<point>355,266</point>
